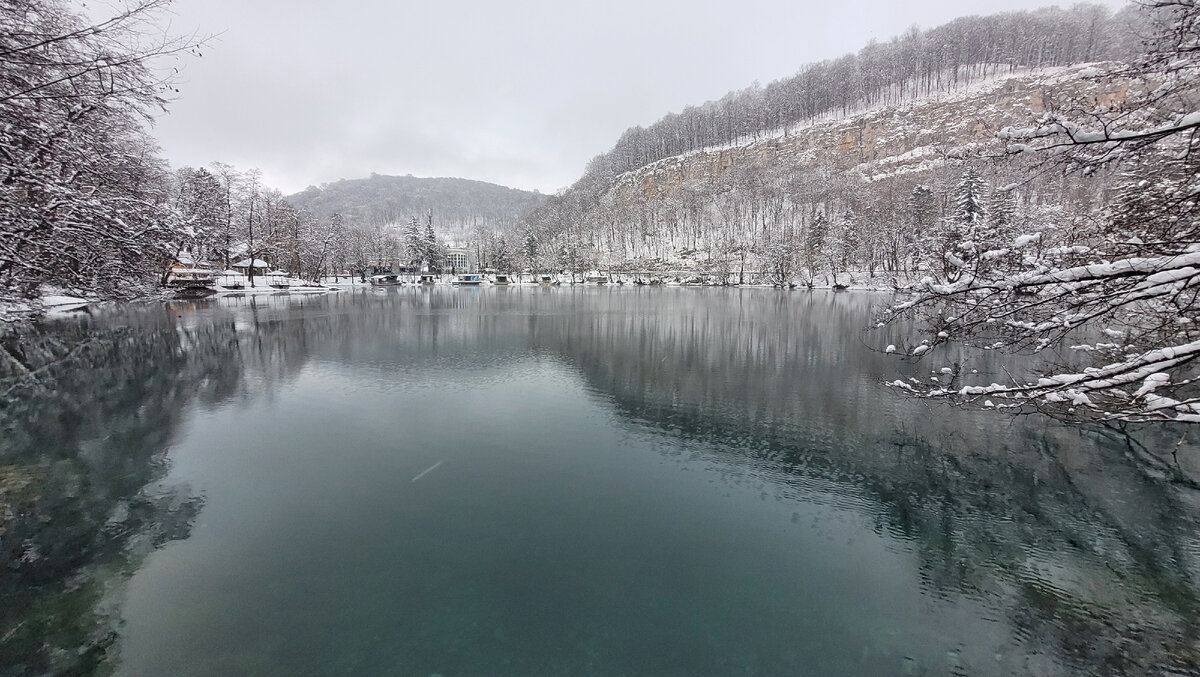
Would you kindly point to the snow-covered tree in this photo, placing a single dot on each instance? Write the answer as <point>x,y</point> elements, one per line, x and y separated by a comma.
<point>414,240</point>
<point>814,245</point>
<point>530,248</point>
<point>922,224</point>
<point>968,199</point>
<point>197,215</point>
<point>779,259</point>
<point>339,253</point>
<point>501,256</point>
<point>227,238</point>
<point>1113,306</point>
<point>1001,212</point>
<point>850,233</point>
<point>434,254</point>
<point>83,195</point>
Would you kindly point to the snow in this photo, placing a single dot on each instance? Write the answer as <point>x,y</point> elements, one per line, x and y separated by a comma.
<point>245,263</point>
<point>1186,412</point>
<point>1152,382</point>
<point>1026,240</point>
<point>1079,398</point>
<point>1077,134</point>
<point>890,349</point>
<point>1076,389</point>
<point>1062,251</point>
<point>62,300</point>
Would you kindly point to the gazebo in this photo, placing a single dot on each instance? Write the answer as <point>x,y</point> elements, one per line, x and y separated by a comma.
<point>278,278</point>
<point>232,279</point>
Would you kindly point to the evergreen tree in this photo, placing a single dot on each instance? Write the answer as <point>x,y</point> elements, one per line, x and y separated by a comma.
<point>1001,211</point>
<point>433,249</point>
<point>968,200</point>
<point>529,247</point>
<point>414,241</point>
<point>502,258</point>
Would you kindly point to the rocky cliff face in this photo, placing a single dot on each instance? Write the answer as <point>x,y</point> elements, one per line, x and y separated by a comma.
<point>910,139</point>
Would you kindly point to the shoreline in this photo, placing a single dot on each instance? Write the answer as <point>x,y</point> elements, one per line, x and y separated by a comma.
<point>60,304</point>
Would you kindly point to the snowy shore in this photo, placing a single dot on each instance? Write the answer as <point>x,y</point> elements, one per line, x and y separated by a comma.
<point>58,302</point>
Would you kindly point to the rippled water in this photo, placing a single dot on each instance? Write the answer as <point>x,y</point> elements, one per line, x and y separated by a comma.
<point>558,481</point>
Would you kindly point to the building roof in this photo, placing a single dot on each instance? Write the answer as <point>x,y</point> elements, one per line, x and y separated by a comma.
<point>245,263</point>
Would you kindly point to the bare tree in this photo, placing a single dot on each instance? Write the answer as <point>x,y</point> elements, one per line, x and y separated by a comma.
<point>1115,301</point>
<point>83,195</point>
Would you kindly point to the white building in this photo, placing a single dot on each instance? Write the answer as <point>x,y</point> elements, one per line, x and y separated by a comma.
<point>461,260</point>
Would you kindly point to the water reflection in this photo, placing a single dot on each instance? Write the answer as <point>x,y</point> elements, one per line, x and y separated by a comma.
<point>88,416</point>
<point>1086,561</point>
<point>1092,562</point>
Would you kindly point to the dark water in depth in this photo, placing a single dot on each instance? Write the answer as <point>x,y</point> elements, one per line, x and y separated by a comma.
<point>584,481</point>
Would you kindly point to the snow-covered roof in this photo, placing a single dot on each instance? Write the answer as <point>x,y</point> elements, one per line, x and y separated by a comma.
<point>245,263</point>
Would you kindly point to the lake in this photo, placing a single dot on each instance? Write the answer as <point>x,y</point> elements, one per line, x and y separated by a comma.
<point>559,481</point>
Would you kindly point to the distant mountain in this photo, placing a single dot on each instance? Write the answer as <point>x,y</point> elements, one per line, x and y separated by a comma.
<point>457,205</point>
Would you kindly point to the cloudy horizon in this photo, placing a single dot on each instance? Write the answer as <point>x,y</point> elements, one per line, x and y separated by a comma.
<point>520,94</point>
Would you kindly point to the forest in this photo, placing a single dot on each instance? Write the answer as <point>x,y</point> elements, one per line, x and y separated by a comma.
<point>764,179</point>
<point>918,64</point>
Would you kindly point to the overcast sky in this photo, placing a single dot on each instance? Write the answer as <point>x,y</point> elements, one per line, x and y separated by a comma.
<point>519,92</point>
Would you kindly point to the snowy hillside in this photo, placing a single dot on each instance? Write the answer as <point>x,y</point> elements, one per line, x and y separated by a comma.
<point>457,205</point>
<point>854,192</point>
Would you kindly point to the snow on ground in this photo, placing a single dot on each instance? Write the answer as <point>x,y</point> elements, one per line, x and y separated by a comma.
<point>54,300</point>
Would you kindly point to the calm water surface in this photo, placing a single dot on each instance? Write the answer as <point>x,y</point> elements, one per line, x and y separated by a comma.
<point>560,481</point>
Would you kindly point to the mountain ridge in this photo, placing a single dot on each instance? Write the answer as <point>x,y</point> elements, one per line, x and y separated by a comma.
<point>457,205</point>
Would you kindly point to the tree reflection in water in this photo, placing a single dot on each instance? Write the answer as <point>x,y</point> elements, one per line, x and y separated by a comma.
<point>88,415</point>
<point>1089,559</point>
<point>1092,560</point>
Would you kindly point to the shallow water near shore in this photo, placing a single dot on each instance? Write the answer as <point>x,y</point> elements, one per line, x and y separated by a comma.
<point>560,481</point>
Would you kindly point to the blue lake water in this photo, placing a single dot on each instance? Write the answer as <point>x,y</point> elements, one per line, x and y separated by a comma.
<point>559,481</point>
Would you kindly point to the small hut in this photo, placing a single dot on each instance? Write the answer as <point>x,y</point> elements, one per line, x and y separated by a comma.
<point>245,265</point>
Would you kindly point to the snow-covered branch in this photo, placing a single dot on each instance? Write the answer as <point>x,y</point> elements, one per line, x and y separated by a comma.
<point>1111,310</point>
<point>82,191</point>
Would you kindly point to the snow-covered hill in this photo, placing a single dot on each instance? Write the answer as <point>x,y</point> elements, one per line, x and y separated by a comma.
<point>457,205</point>
<point>834,193</point>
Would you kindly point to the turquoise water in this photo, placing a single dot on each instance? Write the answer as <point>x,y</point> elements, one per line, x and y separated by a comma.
<point>560,481</point>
